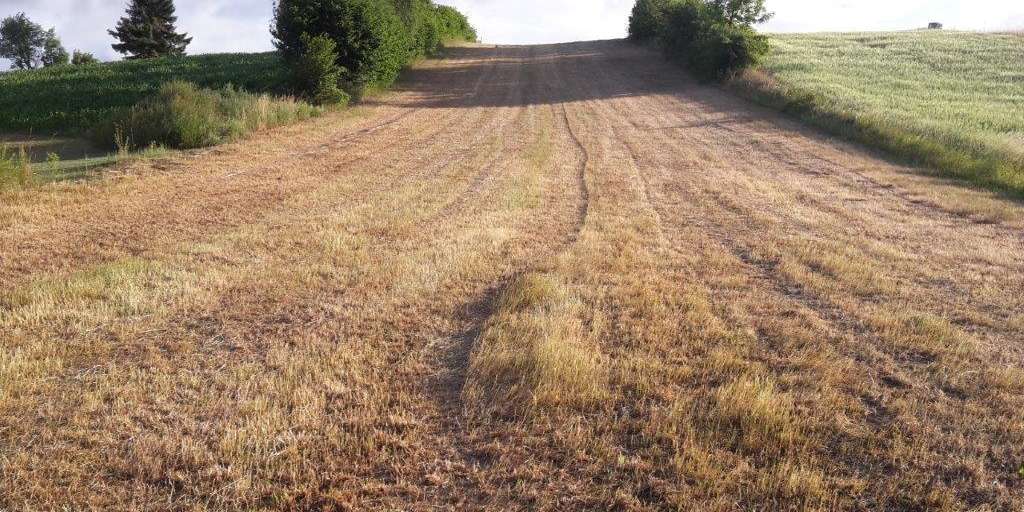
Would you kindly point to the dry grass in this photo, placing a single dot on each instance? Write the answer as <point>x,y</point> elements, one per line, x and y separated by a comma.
<point>649,301</point>
<point>534,354</point>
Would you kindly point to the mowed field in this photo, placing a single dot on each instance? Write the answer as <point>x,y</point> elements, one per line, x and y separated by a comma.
<point>559,277</point>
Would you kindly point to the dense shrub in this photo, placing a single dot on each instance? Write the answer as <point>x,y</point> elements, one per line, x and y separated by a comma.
<point>80,58</point>
<point>646,20</point>
<point>722,49</point>
<point>419,26</point>
<point>714,38</point>
<point>372,42</point>
<point>682,24</point>
<point>316,71</point>
<point>452,24</point>
<point>181,115</point>
<point>375,38</point>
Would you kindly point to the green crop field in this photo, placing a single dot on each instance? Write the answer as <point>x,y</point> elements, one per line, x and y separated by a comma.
<point>72,99</point>
<point>951,101</point>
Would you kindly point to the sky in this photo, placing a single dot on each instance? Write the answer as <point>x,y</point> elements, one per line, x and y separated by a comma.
<point>242,25</point>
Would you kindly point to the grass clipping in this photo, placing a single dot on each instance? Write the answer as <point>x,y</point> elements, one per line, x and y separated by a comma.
<point>534,356</point>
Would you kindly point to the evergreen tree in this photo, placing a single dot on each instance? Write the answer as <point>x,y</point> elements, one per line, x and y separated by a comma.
<point>148,31</point>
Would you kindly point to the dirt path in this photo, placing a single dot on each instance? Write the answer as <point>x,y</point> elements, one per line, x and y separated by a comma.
<point>549,277</point>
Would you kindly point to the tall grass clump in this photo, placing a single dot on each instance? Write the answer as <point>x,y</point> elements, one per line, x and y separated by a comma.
<point>15,168</point>
<point>534,355</point>
<point>714,38</point>
<point>949,101</point>
<point>182,115</point>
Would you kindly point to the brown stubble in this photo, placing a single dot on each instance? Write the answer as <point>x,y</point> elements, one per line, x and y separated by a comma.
<point>820,324</point>
<point>555,277</point>
<point>267,343</point>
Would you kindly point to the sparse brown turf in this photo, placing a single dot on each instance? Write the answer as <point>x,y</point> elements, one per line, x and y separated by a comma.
<point>553,277</point>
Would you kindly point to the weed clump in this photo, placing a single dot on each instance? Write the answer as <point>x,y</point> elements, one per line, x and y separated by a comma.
<point>752,415</point>
<point>182,115</point>
<point>15,168</point>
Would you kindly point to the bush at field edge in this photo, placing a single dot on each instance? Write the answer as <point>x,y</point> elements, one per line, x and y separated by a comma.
<point>184,116</point>
<point>374,39</point>
<point>694,34</point>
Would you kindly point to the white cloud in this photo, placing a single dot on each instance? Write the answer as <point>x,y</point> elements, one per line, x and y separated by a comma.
<point>852,15</point>
<point>242,25</point>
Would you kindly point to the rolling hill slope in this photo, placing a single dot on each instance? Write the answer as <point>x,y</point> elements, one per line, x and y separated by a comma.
<point>561,277</point>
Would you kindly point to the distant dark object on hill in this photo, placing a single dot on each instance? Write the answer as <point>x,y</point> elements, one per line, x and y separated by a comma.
<point>935,26</point>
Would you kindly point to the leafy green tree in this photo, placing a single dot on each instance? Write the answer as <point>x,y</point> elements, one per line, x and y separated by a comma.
<point>316,72</point>
<point>452,25</point>
<point>148,31</point>
<point>372,40</point>
<point>21,41</point>
<point>80,58</point>
<point>54,53</point>
<point>683,22</point>
<point>646,19</point>
<point>741,12</point>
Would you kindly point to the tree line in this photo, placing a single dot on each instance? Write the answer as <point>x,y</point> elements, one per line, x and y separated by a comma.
<point>146,31</point>
<point>335,48</point>
<point>340,48</point>
<point>28,45</point>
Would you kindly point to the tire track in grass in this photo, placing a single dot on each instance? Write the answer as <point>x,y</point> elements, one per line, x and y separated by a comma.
<point>452,357</point>
<point>583,210</point>
<point>732,227</point>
